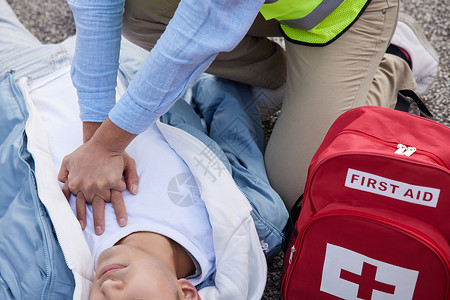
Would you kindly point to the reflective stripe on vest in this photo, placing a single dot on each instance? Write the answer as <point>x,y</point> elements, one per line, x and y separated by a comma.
<point>319,14</point>
<point>313,22</point>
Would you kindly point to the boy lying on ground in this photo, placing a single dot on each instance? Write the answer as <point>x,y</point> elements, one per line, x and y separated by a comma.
<point>215,218</point>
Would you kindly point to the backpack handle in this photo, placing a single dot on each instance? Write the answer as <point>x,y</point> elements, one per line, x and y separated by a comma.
<point>404,100</point>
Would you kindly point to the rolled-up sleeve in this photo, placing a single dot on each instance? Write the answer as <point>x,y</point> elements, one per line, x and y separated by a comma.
<point>96,60</point>
<point>199,30</point>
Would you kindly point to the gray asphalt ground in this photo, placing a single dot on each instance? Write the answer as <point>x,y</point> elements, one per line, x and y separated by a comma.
<point>51,21</point>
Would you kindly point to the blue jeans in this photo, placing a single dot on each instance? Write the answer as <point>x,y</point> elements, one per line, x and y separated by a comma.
<point>21,51</point>
<point>223,116</point>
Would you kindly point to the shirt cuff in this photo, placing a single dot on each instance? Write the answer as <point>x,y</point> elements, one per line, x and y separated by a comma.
<point>132,117</point>
<point>94,107</point>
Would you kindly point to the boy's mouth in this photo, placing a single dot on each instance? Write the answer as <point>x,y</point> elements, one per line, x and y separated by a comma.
<point>110,268</point>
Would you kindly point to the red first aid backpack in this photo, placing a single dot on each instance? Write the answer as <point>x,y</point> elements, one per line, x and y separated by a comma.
<point>375,218</point>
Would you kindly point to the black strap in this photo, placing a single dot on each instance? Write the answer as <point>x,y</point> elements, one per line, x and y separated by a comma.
<point>404,100</point>
<point>289,229</point>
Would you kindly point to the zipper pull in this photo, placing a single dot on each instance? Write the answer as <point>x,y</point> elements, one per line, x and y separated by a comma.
<point>292,254</point>
<point>400,149</point>
<point>409,151</point>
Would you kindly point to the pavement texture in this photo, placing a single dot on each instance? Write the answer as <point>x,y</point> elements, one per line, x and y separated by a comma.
<point>51,21</point>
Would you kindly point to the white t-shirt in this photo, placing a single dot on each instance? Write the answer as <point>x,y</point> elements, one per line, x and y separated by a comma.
<point>168,201</point>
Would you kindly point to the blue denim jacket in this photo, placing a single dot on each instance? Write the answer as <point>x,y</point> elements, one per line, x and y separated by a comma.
<point>32,265</point>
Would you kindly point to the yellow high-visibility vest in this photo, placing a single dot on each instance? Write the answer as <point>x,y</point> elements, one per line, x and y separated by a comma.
<point>314,22</point>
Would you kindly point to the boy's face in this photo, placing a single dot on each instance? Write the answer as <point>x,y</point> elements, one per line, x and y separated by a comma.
<point>125,272</point>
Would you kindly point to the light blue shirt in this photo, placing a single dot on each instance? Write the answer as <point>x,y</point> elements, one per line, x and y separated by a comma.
<point>199,30</point>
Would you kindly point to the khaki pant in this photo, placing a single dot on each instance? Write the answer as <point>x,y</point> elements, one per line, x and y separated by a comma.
<point>256,60</point>
<point>321,84</point>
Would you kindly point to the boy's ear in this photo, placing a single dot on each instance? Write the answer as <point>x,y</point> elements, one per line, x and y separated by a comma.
<point>189,291</point>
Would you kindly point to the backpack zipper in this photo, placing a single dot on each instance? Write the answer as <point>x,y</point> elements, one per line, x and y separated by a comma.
<point>292,254</point>
<point>401,148</point>
<point>404,150</point>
